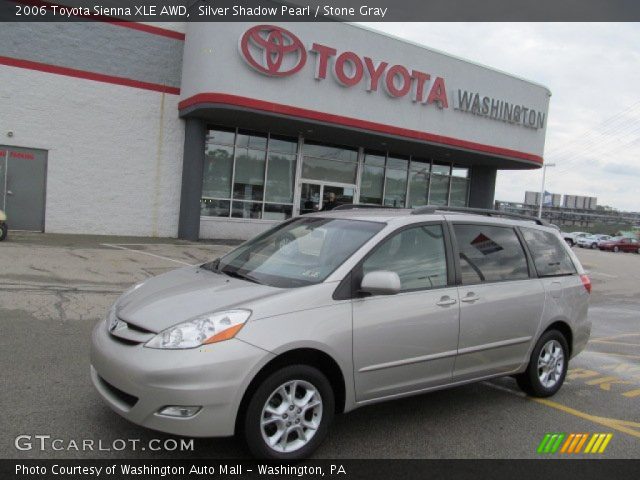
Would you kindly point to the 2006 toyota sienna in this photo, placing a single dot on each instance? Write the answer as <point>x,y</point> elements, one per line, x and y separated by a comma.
<point>334,310</point>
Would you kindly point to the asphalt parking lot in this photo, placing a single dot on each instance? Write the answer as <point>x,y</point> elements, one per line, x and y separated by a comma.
<point>54,288</point>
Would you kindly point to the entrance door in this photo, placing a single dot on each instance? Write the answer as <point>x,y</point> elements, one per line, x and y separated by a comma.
<point>315,197</point>
<point>23,188</point>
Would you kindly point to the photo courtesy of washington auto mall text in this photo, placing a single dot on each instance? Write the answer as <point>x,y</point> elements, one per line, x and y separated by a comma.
<point>293,239</point>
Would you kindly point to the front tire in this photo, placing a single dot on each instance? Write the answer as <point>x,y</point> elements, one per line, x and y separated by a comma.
<point>547,366</point>
<point>594,246</point>
<point>289,414</point>
<point>616,249</point>
<point>3,231</point>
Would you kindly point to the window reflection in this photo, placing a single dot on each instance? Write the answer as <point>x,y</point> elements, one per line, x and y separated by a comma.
<point>260,168</point>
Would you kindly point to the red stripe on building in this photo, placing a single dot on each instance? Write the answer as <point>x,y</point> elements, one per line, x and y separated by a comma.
<point>235,100</point>
<point>142,27</point>
<point>96,77</point>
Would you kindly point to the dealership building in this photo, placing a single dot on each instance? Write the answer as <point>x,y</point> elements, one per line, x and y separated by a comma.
<point>220,130</point>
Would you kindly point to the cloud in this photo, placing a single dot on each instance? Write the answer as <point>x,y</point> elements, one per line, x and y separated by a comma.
<point>593,130</point>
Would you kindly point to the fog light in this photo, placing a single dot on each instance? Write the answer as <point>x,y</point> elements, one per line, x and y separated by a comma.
<point>179,411</point>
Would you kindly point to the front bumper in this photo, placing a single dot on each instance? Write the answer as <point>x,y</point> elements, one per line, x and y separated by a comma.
<point>136,382</point>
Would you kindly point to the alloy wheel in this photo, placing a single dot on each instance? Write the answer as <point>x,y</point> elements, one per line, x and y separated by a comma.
<point>550,364</point>
<point>291,416</point>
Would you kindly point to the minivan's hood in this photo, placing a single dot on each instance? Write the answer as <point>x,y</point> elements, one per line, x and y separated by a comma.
<point>174,297</point>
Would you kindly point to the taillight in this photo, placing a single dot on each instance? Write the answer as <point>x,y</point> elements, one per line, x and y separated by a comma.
<point>586,282</point>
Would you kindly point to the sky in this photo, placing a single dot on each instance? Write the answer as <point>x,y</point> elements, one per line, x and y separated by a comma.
<point>593,72</point>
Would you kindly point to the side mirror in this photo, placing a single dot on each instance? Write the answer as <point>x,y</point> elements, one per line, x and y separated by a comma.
<point>380,282</point>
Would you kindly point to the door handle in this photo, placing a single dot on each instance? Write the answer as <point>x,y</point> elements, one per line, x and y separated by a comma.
<point>470,297</point>
<point>446,301</point>
<point>9,192</point>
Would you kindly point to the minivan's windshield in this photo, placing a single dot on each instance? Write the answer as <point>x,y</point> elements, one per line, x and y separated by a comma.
<point>301,252</point>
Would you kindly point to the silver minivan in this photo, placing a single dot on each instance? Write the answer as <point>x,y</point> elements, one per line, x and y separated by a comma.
<point>334,310</point>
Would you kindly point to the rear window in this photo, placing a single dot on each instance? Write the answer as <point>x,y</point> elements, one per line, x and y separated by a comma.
<point>550,256</point>
<point>490,254</point>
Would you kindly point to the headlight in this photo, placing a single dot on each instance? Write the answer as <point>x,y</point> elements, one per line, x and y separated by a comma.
<point>203,330</point>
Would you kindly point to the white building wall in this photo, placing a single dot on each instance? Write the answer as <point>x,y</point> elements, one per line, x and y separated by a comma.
<point>114,153</point>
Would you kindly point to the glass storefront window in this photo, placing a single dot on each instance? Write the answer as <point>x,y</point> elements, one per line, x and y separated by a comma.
<point>283,145</point>
<point>372,181</point>
<point>374,159</point>
<point>280,178</point>
<point>246,210</point>
<point>371,184</point>
<point>460,172</point>
<point>251,140</point>
<point>221,136</point>
<point>459,189</point>
<point>401,163</point>
<point>329,163</point>
<point>395,189</point>
<point>245,165</point>
<point>328,170</point>
<point>249,174</point>
<point>274,211</point>
<point>218,169</point>
<point>439,190</point>
<point>252,175</point>
<point>210,207</point>
<point>419,182</point>
<point>440,169</point>
<point>330,152</point>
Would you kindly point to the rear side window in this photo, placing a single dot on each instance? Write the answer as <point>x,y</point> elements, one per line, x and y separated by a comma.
<point>416,254</point>
<point>549,254</point>
<point>490,254</point>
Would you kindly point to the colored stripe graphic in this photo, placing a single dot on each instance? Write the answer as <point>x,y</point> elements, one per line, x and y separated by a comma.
<point>573,443</point>
<point>550,443</point>
<point>598,443</point>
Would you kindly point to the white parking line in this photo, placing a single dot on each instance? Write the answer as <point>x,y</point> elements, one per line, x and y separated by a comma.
<point>120,247</point>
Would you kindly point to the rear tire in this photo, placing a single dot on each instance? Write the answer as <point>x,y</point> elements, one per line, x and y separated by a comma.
<point>616,249</point>
<point>547,367</point>
<point>3,231</point>
<point>284,425</point>
<point>594,246</point>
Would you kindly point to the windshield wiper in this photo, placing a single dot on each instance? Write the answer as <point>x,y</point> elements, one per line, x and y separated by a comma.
<point>236,274</point>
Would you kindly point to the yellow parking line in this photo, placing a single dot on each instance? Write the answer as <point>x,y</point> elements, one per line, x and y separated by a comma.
<point>619,425</point>
<point>624,426</point>
<point>609,342</point>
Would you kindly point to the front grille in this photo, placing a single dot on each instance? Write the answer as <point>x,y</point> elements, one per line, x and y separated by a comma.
<point>130,334</point>
<point>124,397</point>
<point>137,328</point>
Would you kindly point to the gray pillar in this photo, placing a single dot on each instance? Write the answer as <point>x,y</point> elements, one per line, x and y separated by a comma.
<point>483,187</point>
<point>192,171</point>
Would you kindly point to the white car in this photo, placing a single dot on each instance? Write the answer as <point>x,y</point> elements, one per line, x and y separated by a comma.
<point>572,238</point>
<point>592,241</point>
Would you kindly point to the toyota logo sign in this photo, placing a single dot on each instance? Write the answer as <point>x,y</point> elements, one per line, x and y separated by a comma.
<point>273,50</point>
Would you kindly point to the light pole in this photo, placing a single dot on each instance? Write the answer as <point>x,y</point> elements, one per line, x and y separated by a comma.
<point>544,171</point>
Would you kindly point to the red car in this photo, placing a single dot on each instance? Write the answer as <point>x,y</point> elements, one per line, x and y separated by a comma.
<point>620,244</point>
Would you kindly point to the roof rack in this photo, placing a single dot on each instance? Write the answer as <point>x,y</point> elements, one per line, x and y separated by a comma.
<point>356,206</point>
<point>478,211</point>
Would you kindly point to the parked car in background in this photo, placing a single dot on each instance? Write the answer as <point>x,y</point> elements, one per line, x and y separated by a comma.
<point>572,238</point>
<point>620,244</point>
<point>592,241</point>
